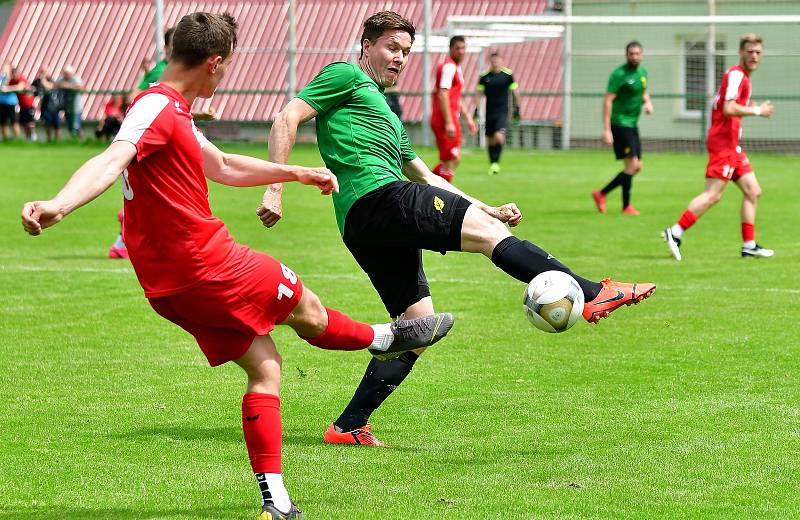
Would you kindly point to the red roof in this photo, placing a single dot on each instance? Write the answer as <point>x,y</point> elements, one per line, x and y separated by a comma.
<point>105,42</point>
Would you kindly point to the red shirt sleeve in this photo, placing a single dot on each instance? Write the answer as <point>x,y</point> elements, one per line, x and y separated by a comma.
<point>148,125</point>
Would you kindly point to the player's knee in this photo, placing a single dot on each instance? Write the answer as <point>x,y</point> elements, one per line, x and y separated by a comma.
<point>713,197</point>
<point>310,316</point>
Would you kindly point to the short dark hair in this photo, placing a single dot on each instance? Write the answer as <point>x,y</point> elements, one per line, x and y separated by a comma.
<point>378,23</point>
<point>632,44</point>
<point>749,38</point>
<point>199,36</point>
<point>168,36</point>
<point>457,39</point>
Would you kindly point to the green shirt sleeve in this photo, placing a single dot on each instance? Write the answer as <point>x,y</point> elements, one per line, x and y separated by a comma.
<point>153,75</point>
<point>614,82</point>
<point>405,146</point>
<point>330,87</point>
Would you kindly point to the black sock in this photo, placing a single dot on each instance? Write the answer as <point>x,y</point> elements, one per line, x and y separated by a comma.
<point>523,261</point>
<point>379,381</point>
<point>494,152</point>
<point>616,181</point>
<point>627,181</point>
<point>499,148</point>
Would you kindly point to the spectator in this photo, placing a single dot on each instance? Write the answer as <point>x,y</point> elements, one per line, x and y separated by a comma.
<point>26,98</point>
<point>50,101</point>
<point>8,104</point>
<point>112,118</point>
<point>71,86</point>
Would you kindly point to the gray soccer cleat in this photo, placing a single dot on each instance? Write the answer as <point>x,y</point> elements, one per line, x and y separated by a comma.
<point>270,512</point>
<point>416,333</point>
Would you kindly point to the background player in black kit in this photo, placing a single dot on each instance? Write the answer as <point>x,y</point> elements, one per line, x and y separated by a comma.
<point>496,84</point>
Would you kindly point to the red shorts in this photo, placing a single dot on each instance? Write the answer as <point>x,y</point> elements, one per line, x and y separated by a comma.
<point>226,314</point>
<point>728,165</point>
<point>449,147</point>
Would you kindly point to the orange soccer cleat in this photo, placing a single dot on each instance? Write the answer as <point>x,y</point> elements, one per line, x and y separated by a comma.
<point>630,210</point>
<point>362,436</point>
<point>613,295</point>
<point>117,252</point>
<point>599,201</point>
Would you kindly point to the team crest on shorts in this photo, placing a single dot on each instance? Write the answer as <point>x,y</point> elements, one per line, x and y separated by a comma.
<point>438,204</point>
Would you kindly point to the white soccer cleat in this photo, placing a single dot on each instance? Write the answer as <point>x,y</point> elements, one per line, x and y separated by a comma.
<point>674,243</point>
<point>756,252</point>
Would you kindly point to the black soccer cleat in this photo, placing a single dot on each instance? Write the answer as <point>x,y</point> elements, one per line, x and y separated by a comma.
<point>756,252</point>
<point>674,243</point>
<point>270,512</point>
<point>416,333</point>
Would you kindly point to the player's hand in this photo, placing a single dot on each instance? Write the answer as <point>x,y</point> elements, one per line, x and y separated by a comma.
<point>515,114</point>
<point>271,209</point>
<point>766,108</point>
<point>471,126</point>
<point>508,213</point>
<point>322,178</point>
<point>39,215</point>
<point>608,137</point>
<point>450,129</point>
<point>205,115</point>
<point>648,108</point>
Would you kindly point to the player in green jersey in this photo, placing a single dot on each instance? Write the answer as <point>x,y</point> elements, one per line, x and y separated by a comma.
<point>622,105</point>
<point>386,221</point>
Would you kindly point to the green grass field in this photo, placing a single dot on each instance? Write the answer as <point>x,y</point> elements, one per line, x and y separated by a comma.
<point>687,406</point>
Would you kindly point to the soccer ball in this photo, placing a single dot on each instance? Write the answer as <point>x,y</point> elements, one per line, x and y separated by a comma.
<point>553,301</point>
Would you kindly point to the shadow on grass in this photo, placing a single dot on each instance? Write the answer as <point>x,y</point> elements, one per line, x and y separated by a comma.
<point>118,513</point>
<point>233,434</point>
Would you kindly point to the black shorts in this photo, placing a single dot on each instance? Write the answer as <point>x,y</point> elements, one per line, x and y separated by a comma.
<point>26,116</point>
<point>8,114</point>
<point>626,141</point>
<point>386,229</point>
<point>496,123</point>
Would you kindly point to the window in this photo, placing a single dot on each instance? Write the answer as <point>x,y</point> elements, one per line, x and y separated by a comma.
<point>693,75</point>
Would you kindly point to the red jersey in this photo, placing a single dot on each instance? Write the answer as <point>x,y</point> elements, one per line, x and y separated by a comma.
<point>448,76</point>
<point>26,99</point>
<point>173,240</point>
<point>725,131</point>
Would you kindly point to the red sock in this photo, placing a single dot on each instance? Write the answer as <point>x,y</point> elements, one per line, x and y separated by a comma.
<point>437,169</point>
<point>748,232</point>
<point>687,220</point>
<point>261,422</point>
<point>343,333</point>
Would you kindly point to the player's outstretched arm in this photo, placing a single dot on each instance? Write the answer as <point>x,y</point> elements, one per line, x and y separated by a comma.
<point>417,171</point>
<point>88,182</point>
<point>242,171</point>
<point>281,140</point>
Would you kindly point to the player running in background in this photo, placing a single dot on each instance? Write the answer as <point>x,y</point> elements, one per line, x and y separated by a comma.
<point>447,109</point>
<point>622,105</point>
<point>726,159</point>
<point>192,272</point>
<point>386,221</point>
<point>495,84</point>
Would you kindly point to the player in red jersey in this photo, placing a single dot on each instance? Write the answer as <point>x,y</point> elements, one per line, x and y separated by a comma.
<point>192,272</point>
<point>726,159</point>
<point>447,106</point>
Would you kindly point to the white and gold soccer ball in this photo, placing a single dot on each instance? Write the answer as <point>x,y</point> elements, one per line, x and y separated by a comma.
<point>553,301</point>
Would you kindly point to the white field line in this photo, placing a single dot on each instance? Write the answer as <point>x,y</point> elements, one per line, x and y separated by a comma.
<point>363,277</point>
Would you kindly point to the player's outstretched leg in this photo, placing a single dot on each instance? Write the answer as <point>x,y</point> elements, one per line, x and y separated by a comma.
<point>524,260</point>
<point>331,330</point>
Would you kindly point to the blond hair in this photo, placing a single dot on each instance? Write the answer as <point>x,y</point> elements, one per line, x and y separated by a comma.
<point>750,38</point>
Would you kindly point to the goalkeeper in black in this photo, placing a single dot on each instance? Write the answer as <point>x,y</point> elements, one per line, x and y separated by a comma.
<point>497,84</point>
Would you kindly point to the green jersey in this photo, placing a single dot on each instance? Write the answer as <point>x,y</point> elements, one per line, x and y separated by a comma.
<point>153,75</point>
<point>629,86</point>
<point>360,139</point>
